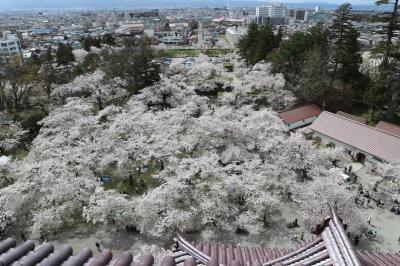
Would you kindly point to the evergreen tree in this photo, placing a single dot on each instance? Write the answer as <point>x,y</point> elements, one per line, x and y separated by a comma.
<point>318,38</point>
<point>247,44</point>
<point>279,37</point>
<point>48,57</point>
<point>290,56</point>
<point>390,67</point>
<point>89,41</point>
<point>375,95</point>
<point>108,39</point>
<point>64,54</point>
<point>265,44</point>
<point>346,58</point>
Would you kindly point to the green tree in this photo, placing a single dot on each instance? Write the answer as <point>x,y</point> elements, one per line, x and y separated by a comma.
<point>20,80</point>
<point>375,95</point>
<point>88,42</point>
<point>314,78</point>
<point>390,67</point>
<point>108,39</point>
<point>64,54</point>
<point>292,53</point>
<point>166,27</point>
<point>48,57</point>
<point>135,64</point>
<point>265,44</point>
<point>318,38</point>
<point>47,77</point>
<point>279,37</point>
<point>248,43</point>
<point>346,57</point>
<point>91,61</point>
<point>290,56</point>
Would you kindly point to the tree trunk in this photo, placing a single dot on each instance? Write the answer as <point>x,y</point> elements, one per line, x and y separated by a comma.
<point>393,104</point>
<point>372,113</point>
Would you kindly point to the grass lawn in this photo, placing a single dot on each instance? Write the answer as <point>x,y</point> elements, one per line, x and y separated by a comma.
<point>222,37</point>
<point>217,52</point>
<point>138,185</point>
<point>175,53</point>
<point>20,154</point>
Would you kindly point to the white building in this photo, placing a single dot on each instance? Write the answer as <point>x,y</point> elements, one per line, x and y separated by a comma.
<point>233,35</point>
<point>170,37</point>
<point>275,12</point>
<point>9,47</point>
<point>362,142</point>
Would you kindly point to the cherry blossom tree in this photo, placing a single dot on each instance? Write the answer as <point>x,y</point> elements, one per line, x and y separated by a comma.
<point>94,86</point>
<point>228,161</point>
<point>11,137</point>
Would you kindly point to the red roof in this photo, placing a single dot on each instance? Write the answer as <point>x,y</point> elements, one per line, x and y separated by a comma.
<point>299,113</point>
<point>371,140</point>
<point>389,128</point>
<point>352,117</point>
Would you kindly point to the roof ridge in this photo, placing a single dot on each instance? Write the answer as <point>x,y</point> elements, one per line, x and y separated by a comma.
<point>298,107</point>
<point>342,112</point>
<point>365,125</point>
<point>394,125</point>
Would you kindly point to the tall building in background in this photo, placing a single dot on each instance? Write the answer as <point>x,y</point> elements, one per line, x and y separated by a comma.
<point>300,14</point>
<point>291,13</point>
<point>274,13</point>
<point>9,46</point>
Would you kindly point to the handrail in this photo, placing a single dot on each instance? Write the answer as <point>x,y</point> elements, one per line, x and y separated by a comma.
<point>346,241</point>
<point>193,251</point>
<point>294,253</point>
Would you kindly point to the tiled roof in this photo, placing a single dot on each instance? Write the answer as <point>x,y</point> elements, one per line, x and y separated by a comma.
<point>330,247</point>
<point>365,138</point>
<point>390,128</point>
<point>352,117</point>
<point>379,258</point>
<point>299,113</point>
<point>44,255</point>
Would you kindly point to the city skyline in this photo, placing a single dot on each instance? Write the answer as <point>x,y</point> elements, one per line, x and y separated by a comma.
<point>32,4</point>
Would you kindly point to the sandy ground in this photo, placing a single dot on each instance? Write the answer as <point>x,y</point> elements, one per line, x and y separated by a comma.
<point>385,223</point>
<point>117,242</point>
<point>277,236</point>
<point>387,227</point>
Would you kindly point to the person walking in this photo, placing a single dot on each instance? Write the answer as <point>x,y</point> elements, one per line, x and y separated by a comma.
<point>356,240</point>
<point>98,247</point>
<point>362,202</point>
<point>23,237</point>
<point>369,220</point>
<point>302,236</point>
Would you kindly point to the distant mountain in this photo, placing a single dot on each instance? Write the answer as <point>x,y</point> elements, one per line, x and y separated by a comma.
<point>331,6</point>
<point>58,4</point>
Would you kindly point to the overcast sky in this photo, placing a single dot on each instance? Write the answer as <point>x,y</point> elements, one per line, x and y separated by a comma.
<point>6,4</point>
<point>356,2</point>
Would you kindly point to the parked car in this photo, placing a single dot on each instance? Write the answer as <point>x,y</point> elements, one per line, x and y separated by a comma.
<point>349,179</point>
